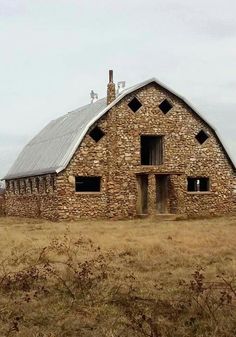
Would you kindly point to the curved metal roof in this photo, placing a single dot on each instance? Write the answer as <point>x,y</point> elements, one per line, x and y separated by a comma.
<point>51,150</point>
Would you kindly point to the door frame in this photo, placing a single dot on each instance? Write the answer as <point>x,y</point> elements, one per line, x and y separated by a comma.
<point>142,199</point>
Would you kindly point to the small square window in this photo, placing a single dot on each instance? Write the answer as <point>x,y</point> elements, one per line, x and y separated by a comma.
<point>201,137</point>
<point>96,134</point>
<point>165,106</point>
<point>134,104</point>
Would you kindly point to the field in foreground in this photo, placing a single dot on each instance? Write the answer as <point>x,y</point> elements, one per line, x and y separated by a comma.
<point>118,278</point>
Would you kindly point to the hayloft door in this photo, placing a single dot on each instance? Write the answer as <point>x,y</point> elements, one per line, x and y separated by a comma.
<point>162,193</point>
<point>142,204</point>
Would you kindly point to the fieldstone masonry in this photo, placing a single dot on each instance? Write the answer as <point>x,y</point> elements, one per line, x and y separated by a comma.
<point>116,159</point>
<point>2,205</point>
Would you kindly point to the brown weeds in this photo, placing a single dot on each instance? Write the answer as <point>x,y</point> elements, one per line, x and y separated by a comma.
<point>70,286</point>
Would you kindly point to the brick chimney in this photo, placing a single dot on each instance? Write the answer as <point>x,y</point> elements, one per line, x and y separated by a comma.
<point>111,89</point>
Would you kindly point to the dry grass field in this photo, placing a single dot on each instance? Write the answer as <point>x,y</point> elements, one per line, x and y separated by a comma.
<point>118,278</point>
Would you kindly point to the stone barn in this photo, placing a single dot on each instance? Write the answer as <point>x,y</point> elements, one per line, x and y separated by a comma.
<point>142,151</point>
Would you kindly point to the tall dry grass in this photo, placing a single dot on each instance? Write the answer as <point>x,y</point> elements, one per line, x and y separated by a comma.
<point>124,278</point>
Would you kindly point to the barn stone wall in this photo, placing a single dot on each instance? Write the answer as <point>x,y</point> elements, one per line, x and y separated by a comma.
<point>116,159</point>
<point>234,197</point>
<point>2,205</point>
<point>32,197</point>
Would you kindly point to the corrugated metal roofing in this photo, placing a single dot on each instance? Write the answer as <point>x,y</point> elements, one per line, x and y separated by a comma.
<point>51,150</point>
<point>48,151</point>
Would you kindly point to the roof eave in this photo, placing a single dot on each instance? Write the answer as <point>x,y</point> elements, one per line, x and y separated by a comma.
<point>30,174</point>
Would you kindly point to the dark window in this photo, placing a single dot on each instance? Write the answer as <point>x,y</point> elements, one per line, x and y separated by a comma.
<point>37,184</point>
<point>30,186</point>
<point>134,104</point>
<point>24,187</point>
<point>165,106</point>
<point>96,134</point>
<point>12,186</point>
<point>18,187</point>
<point>44,184</point>
<point>87,184</point>
<point>52,183</point>
<point>201,136</point>
<point>151,150</point>
<point>198,184</point>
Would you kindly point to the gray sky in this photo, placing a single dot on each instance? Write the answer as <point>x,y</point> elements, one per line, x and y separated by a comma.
<point>53,52</point>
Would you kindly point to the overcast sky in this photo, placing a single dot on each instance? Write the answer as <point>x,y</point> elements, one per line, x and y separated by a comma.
<point>53,52</point>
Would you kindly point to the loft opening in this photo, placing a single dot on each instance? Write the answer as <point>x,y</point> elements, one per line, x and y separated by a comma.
<point>87,184</point>
<point>135,104</point>
<point>201,137</point>
<point>165,106</point>
<point>198,184</point>
<point>151,150</point>
<point>96,134</point>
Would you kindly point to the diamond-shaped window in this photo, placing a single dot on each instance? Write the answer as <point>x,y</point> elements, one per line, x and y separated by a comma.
<point>202,136</point>
<point>134,104</point>
<point>165,106</point>
<point>96,134</point>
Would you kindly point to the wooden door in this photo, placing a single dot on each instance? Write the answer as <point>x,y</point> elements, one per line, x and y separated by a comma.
<point>142,204</point>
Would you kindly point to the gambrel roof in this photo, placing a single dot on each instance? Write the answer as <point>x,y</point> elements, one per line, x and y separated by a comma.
<point>51,150</point>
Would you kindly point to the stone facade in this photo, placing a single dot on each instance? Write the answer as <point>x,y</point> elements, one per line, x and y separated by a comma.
<point>116,158</point>
<point>2,204</point>
<point>32,197</point>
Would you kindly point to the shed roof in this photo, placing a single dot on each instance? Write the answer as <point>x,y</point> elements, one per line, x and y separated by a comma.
<point>52,148</point>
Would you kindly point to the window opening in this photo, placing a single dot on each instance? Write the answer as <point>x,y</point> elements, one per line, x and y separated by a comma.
<point>201,137</point>
<point>44,184</point>
<point>134,104</point>
<point>24,187</point>
<point>151,150</point>
<point>18,186</point>
<point>30,186</point>
<point>52,182</point>
<point>12,187</point>
<point>198,184</point>
<point>87,184</point>
<point>165,106</point>
<point>37,184</point>
<point>96,134</point>
<point>15,187</point>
